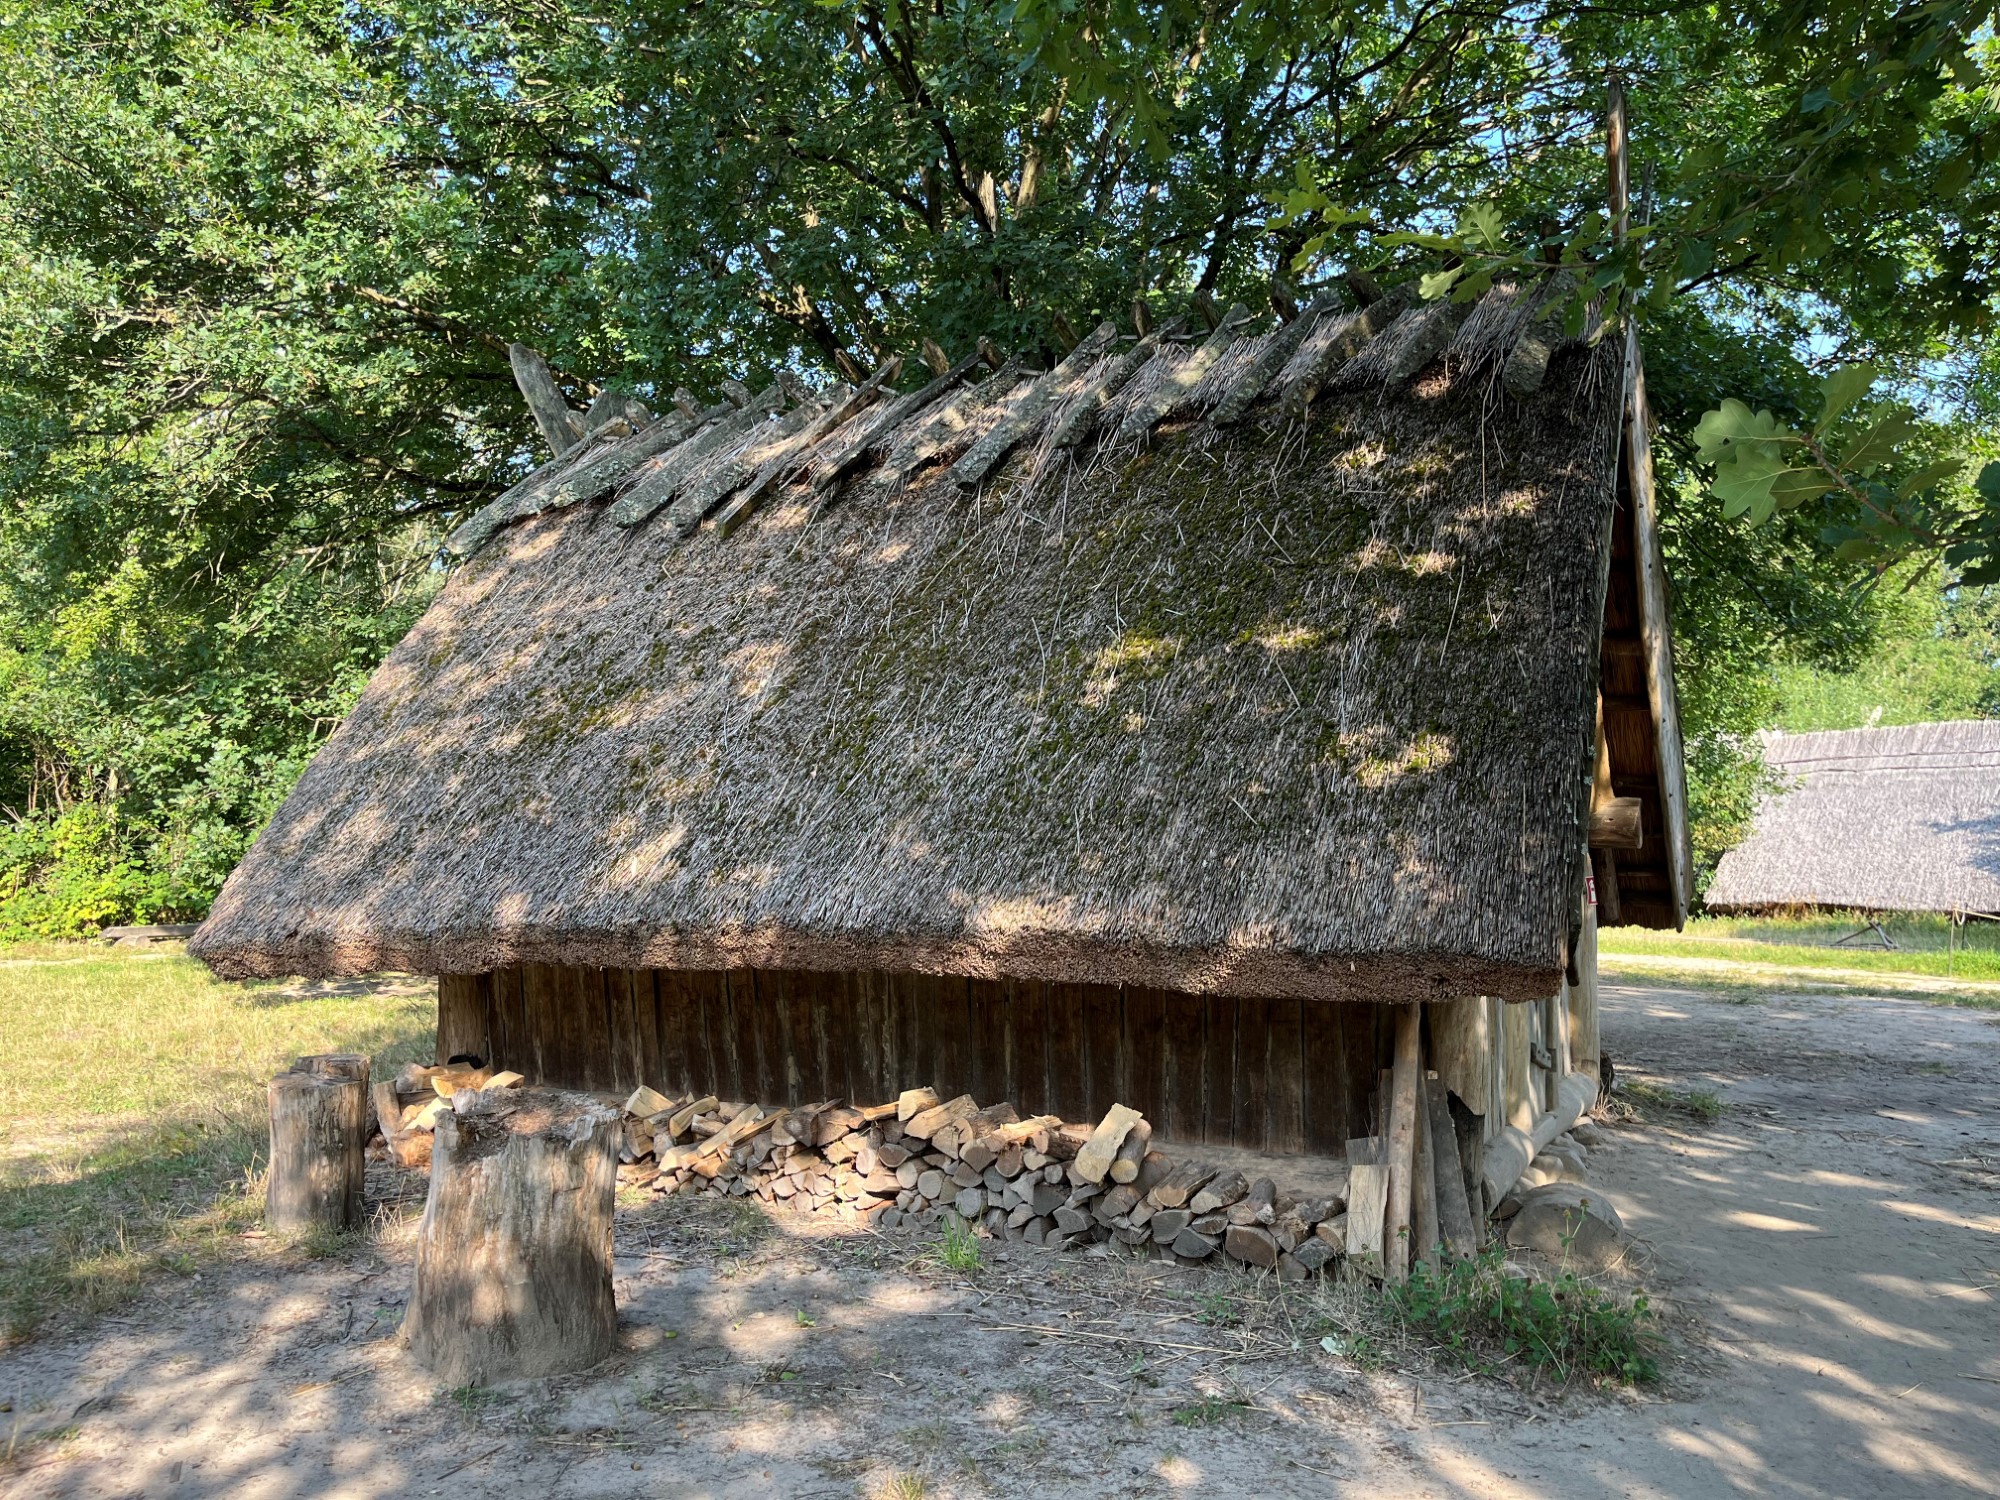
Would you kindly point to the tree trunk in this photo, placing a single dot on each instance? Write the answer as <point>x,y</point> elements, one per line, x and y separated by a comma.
<point>513,1273</point>
<point>319,1128</point>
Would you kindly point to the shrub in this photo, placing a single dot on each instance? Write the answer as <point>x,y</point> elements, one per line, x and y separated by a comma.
<point>1488,1316</point>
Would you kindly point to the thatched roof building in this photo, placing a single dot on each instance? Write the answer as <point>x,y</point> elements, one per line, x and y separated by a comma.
<point>1898,819</point>
<point>1295,664</point>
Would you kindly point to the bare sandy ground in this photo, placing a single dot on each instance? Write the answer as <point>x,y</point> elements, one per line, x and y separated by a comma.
<point>1830,1251</point>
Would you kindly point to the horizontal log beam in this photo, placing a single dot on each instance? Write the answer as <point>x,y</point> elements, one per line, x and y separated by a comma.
<point>1616,824</point>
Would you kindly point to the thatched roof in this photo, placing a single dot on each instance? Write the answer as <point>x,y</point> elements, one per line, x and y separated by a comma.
<point>1902,819</point>
<point>1241,664</point>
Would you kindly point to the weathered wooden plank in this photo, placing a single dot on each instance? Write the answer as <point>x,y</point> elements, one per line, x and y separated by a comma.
<point>513,1044</point>
<point>461,1021</point>
<point>1654,623</point>
<point>1284,1077</point>
<point>766,1042</point>
<point>683,1051</point>
<point>1367,1214</point>
<point>870,1075</point>
<point>1219,1065</point>
<point>1324,1075</point>
<point>1454,1209</point>
<point>986,1064</point>
<point>587,1026</point>
<point>1028,1046</point>
<point>1249,1125</point>
<point>1519,1104</point>
<point>1064,381</point>
<point>1067,1063</point>
<point>619,1062</point>
<point>1103,1044</point>
<point>1144,1083</point>
<point>725,1046</point>
<point>1585,1048</point>
<point>1461,1048</point>
<point>1184,1061</point>
<point>561,428</point>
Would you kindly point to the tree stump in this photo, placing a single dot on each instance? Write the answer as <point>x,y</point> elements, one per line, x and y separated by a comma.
<point>319,1129</point>
<point>513,1273</point>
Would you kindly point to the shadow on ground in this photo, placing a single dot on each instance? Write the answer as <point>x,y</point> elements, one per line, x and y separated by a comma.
<point>1832,1232</point>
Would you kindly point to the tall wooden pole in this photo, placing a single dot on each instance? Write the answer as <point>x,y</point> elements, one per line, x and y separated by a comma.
<point>1401,1146</point>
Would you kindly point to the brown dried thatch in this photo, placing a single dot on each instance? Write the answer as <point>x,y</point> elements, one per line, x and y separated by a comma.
<point>1291,709</point>
<point>1901,819</point>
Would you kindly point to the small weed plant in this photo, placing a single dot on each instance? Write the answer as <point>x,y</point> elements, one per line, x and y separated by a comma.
<point>1209,1410</point>
<point>1487,1317</point>
<point>958,1249</point>
<point>1704,1105</point>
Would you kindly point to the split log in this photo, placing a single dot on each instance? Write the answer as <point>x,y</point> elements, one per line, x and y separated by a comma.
<point>1252,1245</point>
<point>1131,1151</point>
<point>319,1136</point>
<point>682,1120</point>
<point>1402,1141</point>
<point>513,1268</point>
<point>927,1123</point>
<point>913,1102</point>
<point>1181,1184</point>
<point>645,1102</point>
<point>1226,1189</point>
<point>1454,1209</point>
<point>1367,1207</point>
<point>1094,1160</point>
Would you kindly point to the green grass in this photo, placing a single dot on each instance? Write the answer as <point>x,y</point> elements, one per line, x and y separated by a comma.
<point>1925,945</point>
<point>958,1247</point>
<point>1488,1318</point>
<point>1704,1105</point>
<point>132,1114</point>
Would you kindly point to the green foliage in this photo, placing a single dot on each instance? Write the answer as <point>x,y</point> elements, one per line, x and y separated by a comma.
<point>259,265</point>
<point>1935,655</point>
<point>1487,1317</point>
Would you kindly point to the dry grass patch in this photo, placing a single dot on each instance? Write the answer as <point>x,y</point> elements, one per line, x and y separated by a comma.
<point>132,1115</point>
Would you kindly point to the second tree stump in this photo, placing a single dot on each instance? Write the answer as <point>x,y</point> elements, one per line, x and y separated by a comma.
<point>513,1273</point>
<point>319,1129</point>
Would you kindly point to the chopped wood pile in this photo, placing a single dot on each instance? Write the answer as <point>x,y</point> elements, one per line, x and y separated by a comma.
<point>1037,1180</point>
<point>1420,1188</point>
<point>407,1107</point>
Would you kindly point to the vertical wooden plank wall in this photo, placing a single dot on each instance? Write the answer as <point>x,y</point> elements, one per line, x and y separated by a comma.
<point>1276,1075</point>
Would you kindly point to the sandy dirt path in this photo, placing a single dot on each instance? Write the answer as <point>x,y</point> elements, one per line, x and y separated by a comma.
<point>1832,1244</point>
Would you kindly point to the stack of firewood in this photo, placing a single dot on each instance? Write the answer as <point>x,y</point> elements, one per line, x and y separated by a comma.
<point>406,1109</point>
<point>1037,1180</point>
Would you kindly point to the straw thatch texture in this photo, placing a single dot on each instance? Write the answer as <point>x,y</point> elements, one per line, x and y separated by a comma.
<point>1303,713</point>
<point>1902,819</point>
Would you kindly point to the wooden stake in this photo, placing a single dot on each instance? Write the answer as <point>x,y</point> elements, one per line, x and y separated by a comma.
<point>1402,1142</point>
<point>1423,1188</point>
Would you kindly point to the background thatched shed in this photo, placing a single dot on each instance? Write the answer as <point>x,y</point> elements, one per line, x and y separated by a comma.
<point>1057,717</point>
<point>1897,819</point>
